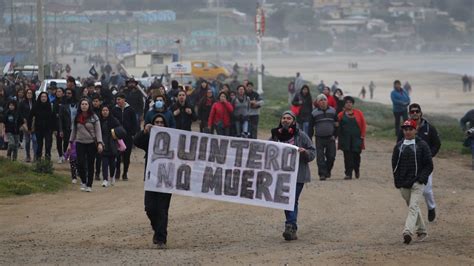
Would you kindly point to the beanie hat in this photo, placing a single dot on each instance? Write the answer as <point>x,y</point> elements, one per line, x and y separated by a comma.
<point>289,113</point>
<point>321,97</point>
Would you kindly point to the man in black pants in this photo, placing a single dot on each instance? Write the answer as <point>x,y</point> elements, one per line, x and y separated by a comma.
<point>127,118</point>
<point>254,111</point>
<point>324,117</point>
<point>157,204</point>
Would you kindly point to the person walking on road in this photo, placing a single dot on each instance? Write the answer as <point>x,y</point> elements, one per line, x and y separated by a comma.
<point>351,136</point>
<point>412,165</point>
<point>288,132</point>
<point>400,102</point>
<point>427,132</point>
<point>324,117</point>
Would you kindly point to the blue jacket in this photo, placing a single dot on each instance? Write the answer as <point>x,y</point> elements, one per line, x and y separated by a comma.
<point>167,114</point>
<point>400,100</point>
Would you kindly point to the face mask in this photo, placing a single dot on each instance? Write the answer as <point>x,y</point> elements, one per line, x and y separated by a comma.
<point>159,104</point>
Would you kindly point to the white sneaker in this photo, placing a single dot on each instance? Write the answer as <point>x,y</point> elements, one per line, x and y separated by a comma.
<point>83,187</point>
<point>105,183</point>
<point>74,181</point>
<point>61,160</point>
<point>113,181</point>
<point>88,189</point>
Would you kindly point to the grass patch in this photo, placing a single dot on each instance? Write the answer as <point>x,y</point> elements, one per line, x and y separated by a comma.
<point>20,179</point>
<point>379,116</point>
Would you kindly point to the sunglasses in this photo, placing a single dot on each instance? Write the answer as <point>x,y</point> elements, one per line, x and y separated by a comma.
<point>415,111</point>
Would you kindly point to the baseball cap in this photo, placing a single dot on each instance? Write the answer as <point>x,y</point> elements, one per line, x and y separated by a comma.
<point>409,123</point>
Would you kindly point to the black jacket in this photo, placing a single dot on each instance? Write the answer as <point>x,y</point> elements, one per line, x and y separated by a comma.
<point>43,115</point>
<point>106,126</point>
<point>411,163</point>
<point>25,108</point>
<point>135,99</point>
<point>56,108</point>
<point>204,110</point>
<point>429,134</point>
<point>184,120</point>
<point>306,103</point>
<point>65,121</point>
<point>126,118</point>
<point>13,122</point>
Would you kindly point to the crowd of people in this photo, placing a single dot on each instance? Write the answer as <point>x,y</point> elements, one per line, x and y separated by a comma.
<point>96,127</point>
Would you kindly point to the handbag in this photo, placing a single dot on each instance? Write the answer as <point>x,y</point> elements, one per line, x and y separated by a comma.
<point>121,145</point>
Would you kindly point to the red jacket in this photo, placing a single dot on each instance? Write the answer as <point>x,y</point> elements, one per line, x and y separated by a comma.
<point>359,117</point>
<point>220,112</point>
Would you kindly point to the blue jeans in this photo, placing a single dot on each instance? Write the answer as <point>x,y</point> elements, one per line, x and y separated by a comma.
<point>397,115</point>
<point>305,127</point>
<point>241,127</point>
<point>292,216</point>
<point>30,139</point>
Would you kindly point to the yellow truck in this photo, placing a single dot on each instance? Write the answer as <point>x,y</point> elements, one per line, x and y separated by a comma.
<point>199,69</point>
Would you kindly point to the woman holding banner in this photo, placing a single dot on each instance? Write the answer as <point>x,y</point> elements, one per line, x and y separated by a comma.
<point>157,204</point>
<point>288,132</point>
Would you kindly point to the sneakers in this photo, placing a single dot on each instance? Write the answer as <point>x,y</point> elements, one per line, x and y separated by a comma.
<point>112,182</point>
<point>83,187</point>
<point>124,177</point>
<point>74,181</point>
<point>406,238</point>
<point>431,215</point>
<point>421,237</point>
<point>290,232</point>
<point>161,245</point>
<point>61,160</point>
<point>88,189</point>
<point>105,183</point>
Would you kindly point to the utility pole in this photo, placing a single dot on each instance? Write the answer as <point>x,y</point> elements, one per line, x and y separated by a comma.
<point>45,38</point>
<point>12,29</point>
<point>31,31</point>
<point>217,29</point>
<point>138,37</point>
<point>39,38</point>
<point>107,42</point>
<point>55,55</point>
<point>260,30</point>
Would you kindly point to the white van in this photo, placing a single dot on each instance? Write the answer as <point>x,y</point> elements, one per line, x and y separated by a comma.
<point>60,83</point>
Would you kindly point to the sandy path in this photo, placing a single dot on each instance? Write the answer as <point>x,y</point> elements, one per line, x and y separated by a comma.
<point>341,222</point>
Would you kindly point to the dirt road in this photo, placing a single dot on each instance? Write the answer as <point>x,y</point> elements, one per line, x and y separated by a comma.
<point>340,222</point>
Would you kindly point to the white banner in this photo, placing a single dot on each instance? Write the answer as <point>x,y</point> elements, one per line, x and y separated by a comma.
<point>246,171</point>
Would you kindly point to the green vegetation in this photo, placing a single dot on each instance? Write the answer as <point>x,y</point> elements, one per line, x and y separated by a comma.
<point>20,179</point>
<point>379,116</point>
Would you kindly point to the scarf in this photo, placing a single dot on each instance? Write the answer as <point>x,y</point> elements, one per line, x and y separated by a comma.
<point>82,119</point>
<point>286,134</point>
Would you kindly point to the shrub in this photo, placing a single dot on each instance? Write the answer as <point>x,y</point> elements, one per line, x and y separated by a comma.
<point>44,167</point>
